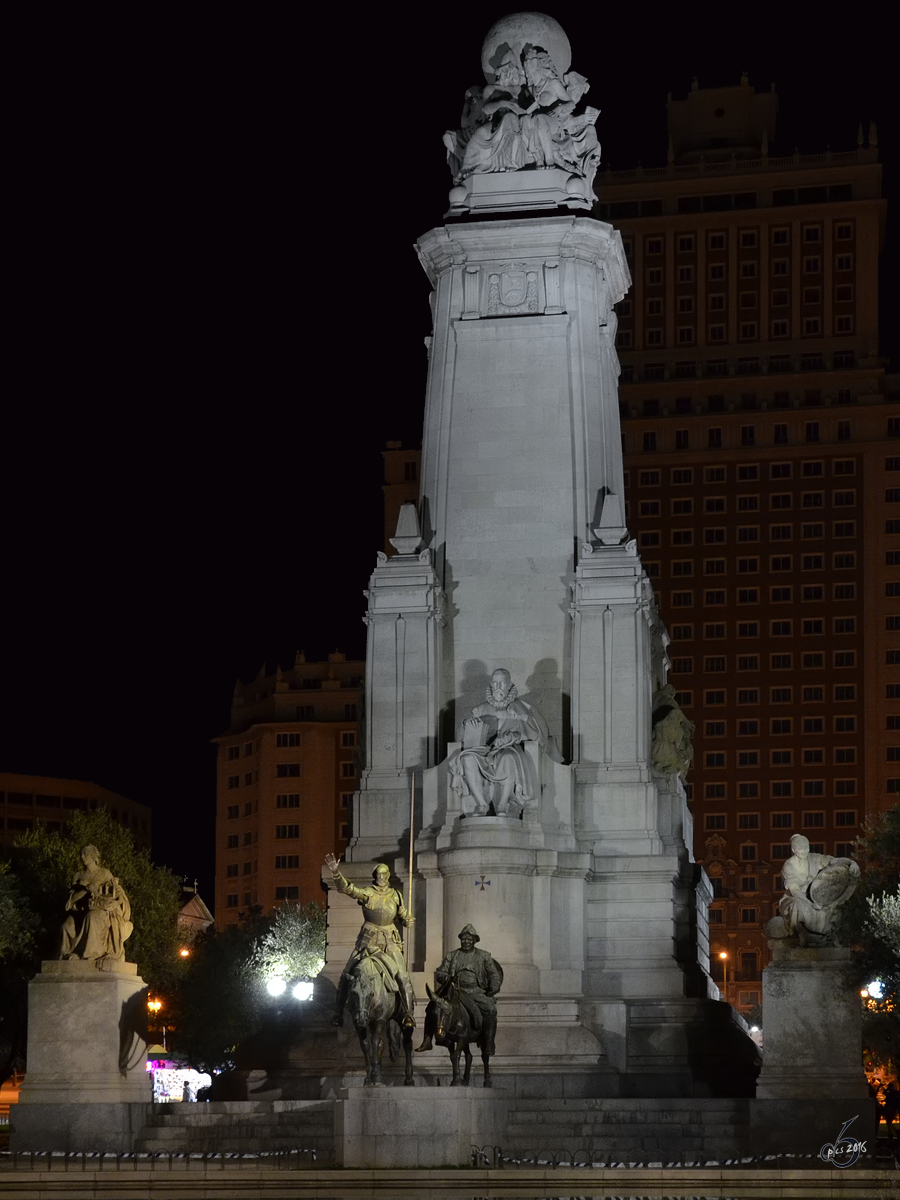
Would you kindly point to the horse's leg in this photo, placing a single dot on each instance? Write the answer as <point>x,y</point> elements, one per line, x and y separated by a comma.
<point>468,1054</point>
<point>363,1033</point>
<point>486,1059</point>
<point>376,1032</point>
<point>408,1080</point>
<point>454,1047</point>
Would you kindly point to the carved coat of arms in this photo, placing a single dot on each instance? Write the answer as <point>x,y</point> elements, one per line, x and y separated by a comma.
<point>512,289</point>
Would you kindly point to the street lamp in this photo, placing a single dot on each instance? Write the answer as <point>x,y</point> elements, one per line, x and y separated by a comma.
<point>154,1006</point>
<point>724,957</point>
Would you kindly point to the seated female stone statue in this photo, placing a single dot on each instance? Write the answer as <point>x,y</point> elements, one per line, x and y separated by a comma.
<point>99,921</point>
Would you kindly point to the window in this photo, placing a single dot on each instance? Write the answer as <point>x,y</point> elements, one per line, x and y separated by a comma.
<point>845,561</point>
<point>748,566</point>
<point>682,537</point>
<point>682,508</point>
<point>714,729</point>
<point>231,841</point>
<point>681,633</point>
<point>845,724</point>
<point>714,597</point>
<point>781,595</point>
<point>812,591</point>
<point>287,770</point>
<point>748,503</point>
<point>348,738</point>
<point>654,276</point>
<point>289,800</point>
<point>748,916</point>
<point>748,696</point>
<point>287,893</point>
<point>248,778</point>
<point>232,811</point>
<point>716,272</point>
<point>711,698</point>
<point>844,262</point>
<point>234,752</point>
<point>231,871</point>
<point>844,529</point>
<point>683,475</point>
<point>812,265</point>
<point>714,665</point>
<point>304,712</point>
<point>812,757</point>
<point>231,900</point>
<point>654,245</point>
<point>349,712</point>
<point>782,787</point>
<point>683,567</point>
<point>748,629</point>
<point>813,820</point>
<point>713,821</point>
<point>814,787</point>
<point>782,820</point>
<point>845,625</point>
<point>748,270</point>
<point>813,661</point>
<point>649,441</point>
<point>649,478</point>
<point>714,791</point>
<point>846,591</point>
<point>285,832</point>
<point>749,758</point>
<point>748,533</point>
<point>845,818</point>
<point>845,754</point>
<point>714,631</point>
<point>781,628</point>
<point>748,662</point>
<point>234,781</point>
<point>348,770</point>
<point>780,726</point>
<point>845,787</point>
<point>748,329</point>
<point>716,302</point>
<point>781,662</point>
<point>748,882</point>
<point>287,739</point>
<point>892,496</point>
<point>748,728</point>
<point>287,862</point>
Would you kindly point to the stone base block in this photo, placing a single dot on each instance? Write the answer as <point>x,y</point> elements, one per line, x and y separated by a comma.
<point>84,1035</point>
<point>507,191</point>
<point>413,1127</point>
<point>112,1128</point>
<point>812,1028</point>
<point>797,1127</point>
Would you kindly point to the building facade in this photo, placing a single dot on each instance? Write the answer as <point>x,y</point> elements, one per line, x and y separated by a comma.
<point>287,770</point>
<point>28,799</point>
<point>762,445</point>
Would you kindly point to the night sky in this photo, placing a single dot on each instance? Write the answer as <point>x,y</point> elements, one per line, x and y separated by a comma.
<point>223,319</point>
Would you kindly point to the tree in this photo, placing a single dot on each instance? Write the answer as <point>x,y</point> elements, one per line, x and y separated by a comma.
<point>222,1000</point>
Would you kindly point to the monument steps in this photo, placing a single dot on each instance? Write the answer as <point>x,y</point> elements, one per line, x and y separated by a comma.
<point>623,1128</point>
<point>246,1127</point>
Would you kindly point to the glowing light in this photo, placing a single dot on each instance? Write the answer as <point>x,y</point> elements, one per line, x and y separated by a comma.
<point>303,990</point>
<point>154,1006</point>
<point>864,993</point>
<point>275,986</point>
<point>875,989</point>
<point>754,1029</point>
<point>722,954</point>
<point>184,953</point>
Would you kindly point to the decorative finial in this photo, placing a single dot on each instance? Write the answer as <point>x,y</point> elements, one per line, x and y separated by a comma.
<point>873,135</point>
<point>408,537</point>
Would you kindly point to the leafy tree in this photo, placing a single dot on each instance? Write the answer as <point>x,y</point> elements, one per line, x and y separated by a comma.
<point>222,1000</point>
<point>17,922</point>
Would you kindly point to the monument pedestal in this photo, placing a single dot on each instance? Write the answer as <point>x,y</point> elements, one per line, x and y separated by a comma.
<point>86,1086</point>
<point>812,1027</point>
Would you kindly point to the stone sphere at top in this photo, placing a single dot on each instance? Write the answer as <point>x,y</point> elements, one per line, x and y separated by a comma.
<point>518,30</point>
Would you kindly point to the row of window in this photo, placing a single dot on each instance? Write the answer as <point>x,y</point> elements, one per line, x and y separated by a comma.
<point>718,301</point>
<point>285,741</point>
<point>289,892</point>
<point>717,535</point>
<point>844,818</point>
<point>842,560</point>
<point>779,726</point>
<point>748,331</point>
<point>284,771</point>
<point>806,627</point>
<point>746,472</point>
<point>811,756</point>
<point>841,693</point>
<point>774,364</point>
<point>778,788</point>
<point>808,593</point>
<point>747,239</point>
<point>748,268</point>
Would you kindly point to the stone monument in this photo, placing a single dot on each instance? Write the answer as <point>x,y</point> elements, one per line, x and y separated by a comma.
<point>516,662</point>
<point>812,1020</point>
<point>86,1085</point>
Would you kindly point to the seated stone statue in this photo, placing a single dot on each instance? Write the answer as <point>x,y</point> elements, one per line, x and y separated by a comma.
<point>99,921</point>
<point>492,768</point>
<point>817,885</point>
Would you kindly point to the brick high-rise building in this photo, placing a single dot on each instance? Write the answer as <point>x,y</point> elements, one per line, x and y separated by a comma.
<point>287,771</point>
<point>761,442</point>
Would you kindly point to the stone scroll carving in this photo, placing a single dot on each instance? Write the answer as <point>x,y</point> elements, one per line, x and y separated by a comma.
<point>525,117</point>
<point>99,921</point>
<point>492,773</point>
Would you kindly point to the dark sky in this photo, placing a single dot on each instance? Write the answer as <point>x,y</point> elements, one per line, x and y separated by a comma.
<point>224,319</point>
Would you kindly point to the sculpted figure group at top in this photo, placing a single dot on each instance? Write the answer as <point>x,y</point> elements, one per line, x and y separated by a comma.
<point>525,119</point>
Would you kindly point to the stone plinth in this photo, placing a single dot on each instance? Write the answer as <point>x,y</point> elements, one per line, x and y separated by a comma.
<point>812,1027</point>
<point>86,1086</point>
<point>416,1127</point>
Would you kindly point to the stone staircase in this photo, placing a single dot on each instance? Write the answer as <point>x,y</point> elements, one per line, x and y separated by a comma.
<point>243,1127</point>
<point>624,1130</point>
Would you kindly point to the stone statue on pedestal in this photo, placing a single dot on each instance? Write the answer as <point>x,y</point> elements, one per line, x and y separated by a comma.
<point>672,752</point>
<point>492,770</point>
<point>99,921</point>
<point>817,885</point>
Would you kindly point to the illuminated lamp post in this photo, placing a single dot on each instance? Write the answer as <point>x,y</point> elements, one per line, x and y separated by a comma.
<point>724,957</point>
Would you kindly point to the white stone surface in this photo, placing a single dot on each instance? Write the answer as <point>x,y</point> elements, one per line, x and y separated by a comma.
<point>82,1044</point>
<point>813,1026</point>
<point>416,1127</point>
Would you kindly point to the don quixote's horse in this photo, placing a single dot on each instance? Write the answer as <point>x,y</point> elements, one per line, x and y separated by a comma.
<point>377,1012</point>
<point>449,1022</point>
